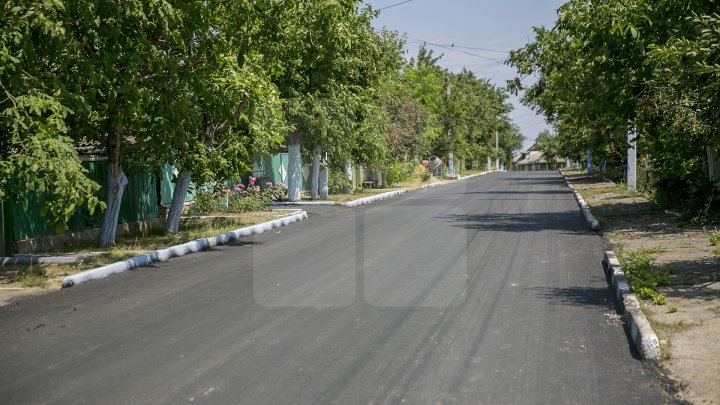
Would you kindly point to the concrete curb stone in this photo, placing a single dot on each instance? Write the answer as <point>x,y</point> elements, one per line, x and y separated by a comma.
<point>641,332</point>
<point>584,208</point>
<point>164,255</point>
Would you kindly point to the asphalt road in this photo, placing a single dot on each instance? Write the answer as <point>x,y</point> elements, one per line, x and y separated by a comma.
<point>488,291</point>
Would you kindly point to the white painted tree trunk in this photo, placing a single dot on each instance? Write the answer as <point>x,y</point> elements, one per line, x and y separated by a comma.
<point>294,167</point>
<point>323,180</point>
<point>489,164</point>
<point>451,163</point>
<point>588,159</point>
<point>315,176</point>
<point>347,168</point>
<point>116,183</point>
<point>172,224</point>
<point>631,170</point>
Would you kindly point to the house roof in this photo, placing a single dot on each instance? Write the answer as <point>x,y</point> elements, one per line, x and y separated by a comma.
<point>534,157</point>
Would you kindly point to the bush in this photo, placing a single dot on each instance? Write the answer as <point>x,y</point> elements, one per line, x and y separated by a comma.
<point>337,181</point>
<point>239,199</point>
<point>398,172</point>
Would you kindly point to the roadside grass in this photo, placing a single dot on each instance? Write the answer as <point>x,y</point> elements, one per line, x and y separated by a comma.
<point>644,277</point>
<point>46,275</point>
<point>675,327</point>
<point>714,239</point>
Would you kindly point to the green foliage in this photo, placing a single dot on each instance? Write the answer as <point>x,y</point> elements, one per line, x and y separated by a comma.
<point>672,309</point>
<point>337,181</point>
<point>715,239</point>
<point>425,176</point>
<point>644,278</point>
<point>35,150</point>
<point>398,172</point>
<point>609,67</point>
<point>31,276</point>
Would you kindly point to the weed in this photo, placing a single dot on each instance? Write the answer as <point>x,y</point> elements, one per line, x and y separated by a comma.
<point>716,251</point>
<point>656,250</point>
<point>31,276</point>
<point>715,310</point>
<point>672,309</point>
<point>643,277</point>
<point>675,327</point>
<point>715,239</point>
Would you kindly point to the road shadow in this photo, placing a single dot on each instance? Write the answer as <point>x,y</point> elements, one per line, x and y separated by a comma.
<point>566,221</point>
<point>518,192</point>
<point>576,296</point>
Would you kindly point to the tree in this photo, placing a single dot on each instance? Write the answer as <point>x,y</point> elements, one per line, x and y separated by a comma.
<point>37,154</point>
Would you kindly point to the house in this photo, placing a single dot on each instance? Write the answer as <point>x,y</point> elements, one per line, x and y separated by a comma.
<point>534,160</point>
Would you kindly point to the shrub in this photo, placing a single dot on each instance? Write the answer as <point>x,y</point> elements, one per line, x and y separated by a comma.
<point>239,199</point>
<point>398,172</point>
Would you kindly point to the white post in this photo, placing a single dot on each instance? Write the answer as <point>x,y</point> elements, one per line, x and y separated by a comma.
<point>323,179</point>
<point>347,168</point>
<point>497,148</point>
<point>631,161</point>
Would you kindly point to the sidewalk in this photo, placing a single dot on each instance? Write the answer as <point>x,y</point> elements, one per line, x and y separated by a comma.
<point>688,325</point>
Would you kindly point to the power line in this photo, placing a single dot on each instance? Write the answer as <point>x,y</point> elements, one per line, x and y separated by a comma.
<point>451,48</point>
<point>394,5</point>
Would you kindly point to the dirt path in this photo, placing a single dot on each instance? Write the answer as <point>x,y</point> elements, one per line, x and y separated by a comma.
<point>688,325</point>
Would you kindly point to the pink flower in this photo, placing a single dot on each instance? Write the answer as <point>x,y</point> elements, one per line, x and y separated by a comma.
<point>268,185</point>
<point>252,180</point>
<point>239,186</point>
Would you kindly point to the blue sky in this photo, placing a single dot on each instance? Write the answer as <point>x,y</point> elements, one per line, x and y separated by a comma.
<point>499,25</point>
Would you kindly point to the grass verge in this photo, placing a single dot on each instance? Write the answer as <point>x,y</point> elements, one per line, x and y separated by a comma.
<point>50,275</point>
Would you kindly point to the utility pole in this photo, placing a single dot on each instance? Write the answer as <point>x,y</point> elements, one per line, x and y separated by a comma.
<point>497,150</point>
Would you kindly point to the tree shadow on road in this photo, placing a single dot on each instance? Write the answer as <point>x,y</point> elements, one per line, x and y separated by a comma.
<point>577,296</point>
<point>566,221</point>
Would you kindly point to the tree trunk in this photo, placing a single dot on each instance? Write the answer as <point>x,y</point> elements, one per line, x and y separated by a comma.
<point>172,224</point>
<point>347,168</point>
<point>589,164</point>
<point>116,183</point>
<point>116,187</point>
<point>294,166</point>
<point>489,164</point>
<point>323,179</point>
<point>315,176</point>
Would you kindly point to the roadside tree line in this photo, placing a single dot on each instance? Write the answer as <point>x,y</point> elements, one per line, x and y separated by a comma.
<point>648,68</point>
<point>205,85</point>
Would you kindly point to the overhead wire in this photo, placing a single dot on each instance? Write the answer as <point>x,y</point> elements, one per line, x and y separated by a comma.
<point>394,5</point>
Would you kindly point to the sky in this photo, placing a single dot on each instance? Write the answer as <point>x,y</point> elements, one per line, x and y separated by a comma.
<point>496,26</point>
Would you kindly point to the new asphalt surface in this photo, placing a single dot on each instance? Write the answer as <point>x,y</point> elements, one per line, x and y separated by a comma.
<point>487,291</point>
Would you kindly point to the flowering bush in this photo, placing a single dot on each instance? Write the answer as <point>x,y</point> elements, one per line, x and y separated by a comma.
<point>239,198</point>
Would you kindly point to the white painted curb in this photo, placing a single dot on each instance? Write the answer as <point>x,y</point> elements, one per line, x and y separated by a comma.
<point>372,199</point>
<point>301,203</point>
<point>584,208</point>
<point>641,333</point>
<point>179,250</point>
<point>431,185</point>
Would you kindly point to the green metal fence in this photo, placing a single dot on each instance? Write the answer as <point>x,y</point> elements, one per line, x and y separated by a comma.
<point>23,221</point>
